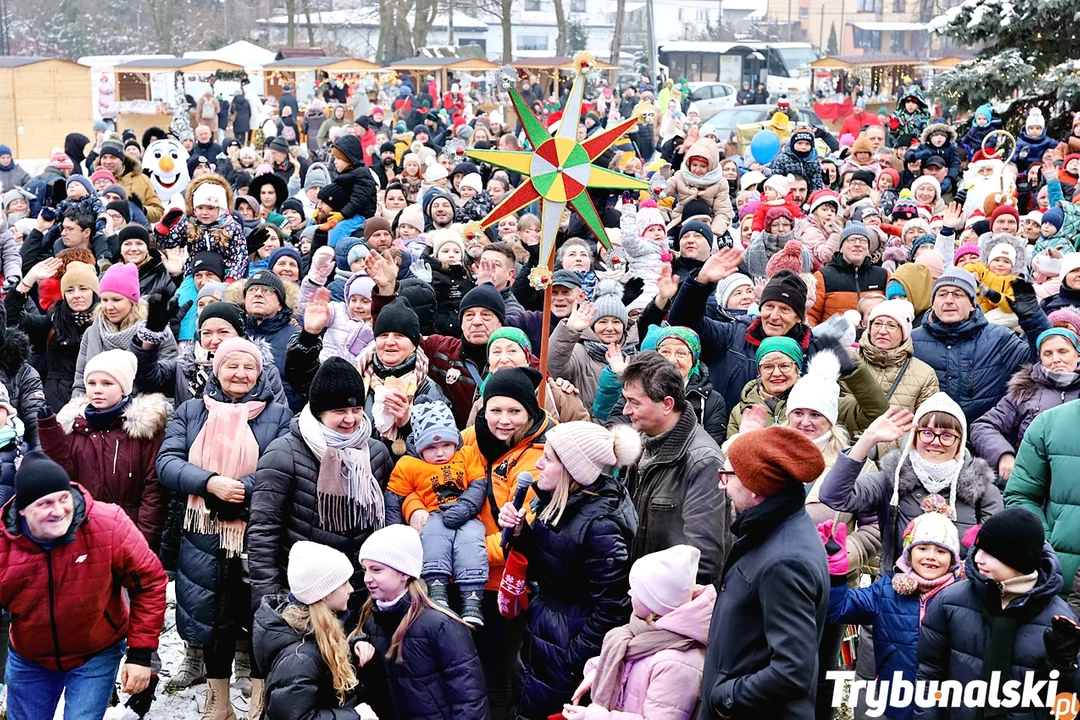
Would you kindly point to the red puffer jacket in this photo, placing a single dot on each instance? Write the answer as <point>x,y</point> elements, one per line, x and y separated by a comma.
<point>67,603</point>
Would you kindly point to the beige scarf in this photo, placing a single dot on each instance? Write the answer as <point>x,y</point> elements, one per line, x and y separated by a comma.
<point>625,644</point>
<point>225,446</point>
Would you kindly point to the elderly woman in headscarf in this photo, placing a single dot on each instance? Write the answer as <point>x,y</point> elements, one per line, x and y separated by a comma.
<point>210,453</point>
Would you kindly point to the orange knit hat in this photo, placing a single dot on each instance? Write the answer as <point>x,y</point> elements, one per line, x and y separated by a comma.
<point>766,460</point>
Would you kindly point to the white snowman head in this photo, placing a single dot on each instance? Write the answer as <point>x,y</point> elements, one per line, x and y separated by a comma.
<point>166,161</point>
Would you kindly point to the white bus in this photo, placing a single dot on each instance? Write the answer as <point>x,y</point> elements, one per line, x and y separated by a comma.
<point>782,66</point>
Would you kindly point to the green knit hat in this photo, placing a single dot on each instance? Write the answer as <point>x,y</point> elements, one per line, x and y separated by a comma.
<point>782,344</point>
<point>689,338</point>
<point>512,333</point>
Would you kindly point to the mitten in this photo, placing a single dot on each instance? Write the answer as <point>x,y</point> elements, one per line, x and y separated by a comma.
<point>992,295</point>
<point>44,411</point>
<point>969,537</point>
<point>1062,642</point>
<point>421,270</point>
<point>1025,303</point>
<point>456,514</point>
<point>9,283</point>
<point>322,265</point>
<point>829,335</point>
<point>834,537</point>
<point>961,196</point>
<point>894,123</point>
<point>169,221</point>
<point>513,595</point>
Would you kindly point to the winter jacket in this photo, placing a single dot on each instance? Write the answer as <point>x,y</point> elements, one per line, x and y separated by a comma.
<point>135,183</point>
<point>439,676</point>
<point>1001,430</point>
<point>299,683</point>
<point>116,465</point>
<point>173,376</point>
<point>285,510</point>
<point>848,489</point>
<point>973,359</point>
<point>98,585</point>
<point>241,111</point>
<point>311,124</point>
<point>821,243</point>
<point>769,616</point>
<point>569,358</point>
<point>727,348</point>
<point>92,345</point>
<point>1029,150</point>
<point>974,137</point>
<point>947,152</point>
<point>665,684</point>
<point>862,402</point>
<point>451,283</point>
<point>13,176</point>
<point>357,182</point>
<point>208,604</point>
<point>25,390</point>
<point>1043,480</point>
<point>788,162</point>
<point>916,385</point>
<point>226,240</point>
<point>712,188</point>
<point>840,285</point>
<point>677,498</point>
<point>957,629</point>
<point>277,331</point>
<point>582,569</point>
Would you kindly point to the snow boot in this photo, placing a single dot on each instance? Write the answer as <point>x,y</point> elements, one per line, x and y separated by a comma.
<point>471,611</point>
<point>437,593</point>
<point>192,671</point>
<point>255,709</point>
<point>139,703</point>
<point>218,701</point>
<point>242,668</point>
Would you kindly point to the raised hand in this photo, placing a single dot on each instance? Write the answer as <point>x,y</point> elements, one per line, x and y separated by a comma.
<point>484,270</point>
<point>421,270</point>
<point>615,358</point>
<point>753,418</point>
<point>322,265</point>
<point>893,425</point>
<point>174,259</point>
<point>382,270</point>
<point>317,313</point>
<point>581,318</point>
<point>721,265</point>
<point>563,385</point>
<point>666,286</point>
<point>43,271</point>
<point>954,216</point>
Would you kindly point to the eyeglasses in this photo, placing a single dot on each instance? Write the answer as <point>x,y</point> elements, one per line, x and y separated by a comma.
<point>783,224</point>
<point>260,291</point>
<point>944,294</point>
<point>884,325</point>
<point>725,476</point>
<point>680,354</point>
<point>944,437</point>
<point>858,240</point>
<point>857,183</point>
<point>770,369</point>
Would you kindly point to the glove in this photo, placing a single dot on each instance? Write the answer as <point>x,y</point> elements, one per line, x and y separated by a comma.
<point>9,283</point>
<point>1025,304</point>
<point>322,265</point>
<point>894,123</point>
<point>829,335</point>
<point>961,196</point>
<point>992,295</point>
<point>456,514</point>
<point>157,318</point>
<point>834,537</point>
<point>421,270</point>
<point>969,537</point>
<point>1062,642</point>
<point>513,595</point>
<point>44,411</point>
<point>168,221</point>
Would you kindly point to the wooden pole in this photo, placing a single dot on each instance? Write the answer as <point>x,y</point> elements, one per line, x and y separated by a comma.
<point>545,333</point>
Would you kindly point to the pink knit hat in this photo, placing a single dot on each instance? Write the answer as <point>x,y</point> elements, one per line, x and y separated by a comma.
<point>122,279</point>
<point>966,249</point>
<point>585,449</point>
<point>1065,316</point>
<point>237,344</point>
<point>789,258</point>
<point>933,261</point>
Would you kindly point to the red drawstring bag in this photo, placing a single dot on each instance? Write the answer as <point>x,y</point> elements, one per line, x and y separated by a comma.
<point>513,596</point>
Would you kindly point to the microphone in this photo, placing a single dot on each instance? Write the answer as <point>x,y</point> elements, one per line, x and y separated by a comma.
<point>524,482</point>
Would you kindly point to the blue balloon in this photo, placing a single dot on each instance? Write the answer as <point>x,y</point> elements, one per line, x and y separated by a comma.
<point>765,146</point>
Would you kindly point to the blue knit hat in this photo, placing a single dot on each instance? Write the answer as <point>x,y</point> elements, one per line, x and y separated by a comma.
<point>986,111</point>
<point>82,180</point>
<point>1055,216</point>
<point>919,242</point>
<point>432,422</point>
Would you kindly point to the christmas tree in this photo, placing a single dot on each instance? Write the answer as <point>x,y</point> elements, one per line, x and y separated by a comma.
<point>1026,58</point>
<point>833,47</point>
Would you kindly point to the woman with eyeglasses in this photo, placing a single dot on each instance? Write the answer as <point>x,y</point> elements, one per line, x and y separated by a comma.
<point>885,347</point>
<point>779,231</point>
<point>933,461</point>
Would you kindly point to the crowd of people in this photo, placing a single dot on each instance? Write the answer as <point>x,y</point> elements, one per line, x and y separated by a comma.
<point>793,407</point>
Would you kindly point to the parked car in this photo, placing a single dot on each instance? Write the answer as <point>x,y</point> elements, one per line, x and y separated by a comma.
<point>712,97</point>
<point>727,120</point>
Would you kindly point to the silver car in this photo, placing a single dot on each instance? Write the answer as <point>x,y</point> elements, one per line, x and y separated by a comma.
<point>711,97</point>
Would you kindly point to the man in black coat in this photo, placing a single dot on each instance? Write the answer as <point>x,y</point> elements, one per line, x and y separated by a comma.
<point>773,597</point>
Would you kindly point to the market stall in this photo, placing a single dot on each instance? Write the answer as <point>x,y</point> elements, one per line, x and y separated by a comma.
<point>881,76</point>
<point>548,71</point>
<point>441,67</point>
<point>304,73</point>
<point>147,89</point>
<point>41,101</point>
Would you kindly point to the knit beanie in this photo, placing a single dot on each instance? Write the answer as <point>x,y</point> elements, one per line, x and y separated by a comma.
<point>789,258</point>
<point>586,449</point>
<point>942,403</point>
<point>1058,332</point>
<point>209,261</point>
<point>124,209</point>
<point>986,111</point>
<point>234,345</point>
<point>337,384</point>
<point>122,279</point>
<point>223,311</point>
<point>647,216</point>
<point>317,177</point>
<point>699,227</point>
<point>316,570</point>
<point>786,287</point>
<point>120,365</point>
<point>268,279</point>
<point>1035,119</point>
<point>398,317</point>
<point>957,278</point>
<point>687,337</point>
<point>100,174</point>
<point>767,460</point>
<point>374,225</point>
<point>934,527</point>
<point>483,296</point>
<point>516,383</point>
<point>82,180</point>
<point>775,213</point>
<point>1004,210</point>
<point>933,261</point>
<point>919,242</point>
<point>282,252</point>
<point>5,399</point>
<point>866,176</point>
<point>861,144</point>
<point>79,273</point>
<point>781,344</point>
<point>432,422</point>
<point>854,229</point>
<point>512,333</point>
<point>927,180</point>
<point>37,477</point>
<point>435,172</point>
<point>395,546</point>
<point>905,208</point>
<point>1055,216</point>
<point>413,216</point>
<point>729,285</point>
<point>818,389</point>
<point>1069,262</point>
<point>1066,316</point>
<point>1014,536</point>
<point>61,161</point>
<point>607,297</point>
<point>781,184</point>
<point>1003,250</point>
<point>335,197</point>
<point>215,290</point>
<point>899,310</point>
<point>665,580</point>
<point>358,284</point>
<point>444,236</point>
<point>965,249</point>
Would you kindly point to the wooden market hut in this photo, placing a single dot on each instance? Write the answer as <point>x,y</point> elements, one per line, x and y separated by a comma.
<point>279,72</point>
<point>41,101</point>
<point>442,66</point>
<point>547,70</point>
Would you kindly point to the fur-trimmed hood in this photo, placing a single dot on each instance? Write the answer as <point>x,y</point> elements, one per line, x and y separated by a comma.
<point>975,476</point>
<point>185,361</point>
<point>988,241</point>
<point>14,351</point>
<point>235,295</point>
<point>144,417</point>
<point>212,178</point>
<point>1028,380</point>
<point>933,128</point>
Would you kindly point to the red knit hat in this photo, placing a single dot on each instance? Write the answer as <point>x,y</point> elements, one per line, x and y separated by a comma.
<point>789,258</point>
<point>767,460</point>
<point>774,213</point>
<point>61,161</point>
<point>1004,210</point>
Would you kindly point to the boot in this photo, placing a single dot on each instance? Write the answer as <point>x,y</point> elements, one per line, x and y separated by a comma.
<point>256,708</point>
<point>218,702</point>
<point>437,593</point>
<point>471,611</point>
<point>140,702</point>
<point>192,671</point>
<point>242,668</point>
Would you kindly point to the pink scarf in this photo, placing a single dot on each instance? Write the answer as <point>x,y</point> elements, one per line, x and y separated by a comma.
<point>225,446</point>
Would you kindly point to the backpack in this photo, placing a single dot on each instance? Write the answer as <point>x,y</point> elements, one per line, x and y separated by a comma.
<point>208,111</point>
<point>288,132</point>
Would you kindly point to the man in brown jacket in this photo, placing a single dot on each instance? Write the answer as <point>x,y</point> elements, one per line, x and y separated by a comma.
<point>129,176</point>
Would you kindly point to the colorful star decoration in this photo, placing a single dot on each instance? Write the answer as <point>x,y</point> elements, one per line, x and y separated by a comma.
<point>560,169</point>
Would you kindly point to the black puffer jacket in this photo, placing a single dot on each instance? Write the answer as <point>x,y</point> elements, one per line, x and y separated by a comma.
<point>153,277</point>
<point>60,357</point>
<point>211,598</point>
<point>582,569</point>
<point>285,510</point>
<point>25,390</point>
<point>298,680</point>
<point>439,676</point>
<point>357,180</point>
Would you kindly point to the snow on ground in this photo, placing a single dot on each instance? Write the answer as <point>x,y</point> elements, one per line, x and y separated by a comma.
<point>186,704</point>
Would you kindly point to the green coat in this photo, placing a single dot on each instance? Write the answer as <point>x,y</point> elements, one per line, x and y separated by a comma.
<point>855,411</point>
<point>1044,481</point>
